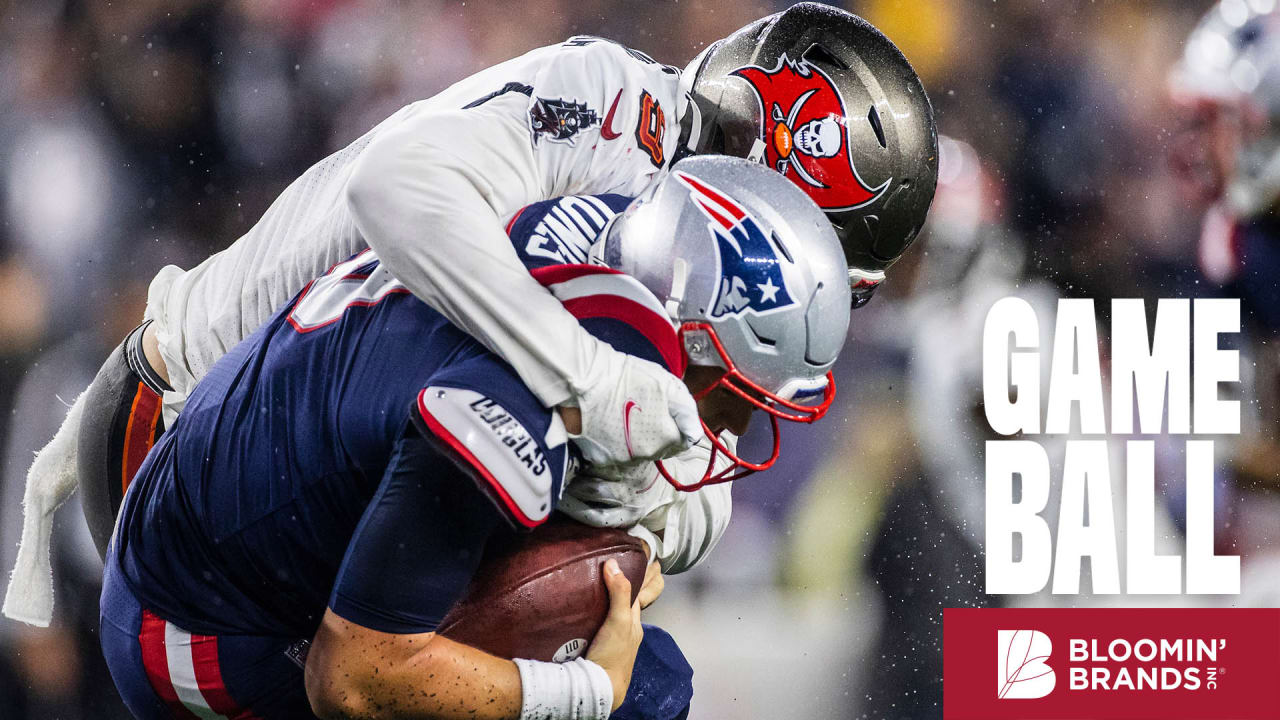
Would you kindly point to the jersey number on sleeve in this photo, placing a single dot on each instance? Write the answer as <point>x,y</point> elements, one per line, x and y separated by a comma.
<point>358,282</point>
<point>651,127</point>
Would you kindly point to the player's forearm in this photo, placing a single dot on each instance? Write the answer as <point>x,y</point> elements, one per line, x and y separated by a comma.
<point>357,672</point>
<point>687,527</point>
<point>696,527</point>
<point>430,216</point>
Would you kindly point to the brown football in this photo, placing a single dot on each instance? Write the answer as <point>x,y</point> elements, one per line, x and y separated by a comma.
<point>541,595</point>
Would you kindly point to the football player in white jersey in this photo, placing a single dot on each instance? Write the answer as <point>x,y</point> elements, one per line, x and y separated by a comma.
<point>815,92</point>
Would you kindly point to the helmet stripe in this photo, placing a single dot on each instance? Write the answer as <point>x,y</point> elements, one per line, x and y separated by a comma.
<point>713,201</point>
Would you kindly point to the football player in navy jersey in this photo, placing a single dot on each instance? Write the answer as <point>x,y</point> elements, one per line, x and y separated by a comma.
<point>336,476</point>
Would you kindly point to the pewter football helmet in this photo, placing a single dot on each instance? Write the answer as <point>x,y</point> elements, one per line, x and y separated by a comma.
<point>823,97</point>
<point>752,271</point>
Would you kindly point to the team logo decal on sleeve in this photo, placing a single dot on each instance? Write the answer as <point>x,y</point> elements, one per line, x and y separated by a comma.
<point>803,127</point>
<point>750,270</point>
<point>560,120</point>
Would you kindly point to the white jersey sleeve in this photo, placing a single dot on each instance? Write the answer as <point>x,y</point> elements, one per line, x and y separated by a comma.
<point>429,189</point>
<point>682,528</point>
<point>682,532</point>
<point>430,196</point>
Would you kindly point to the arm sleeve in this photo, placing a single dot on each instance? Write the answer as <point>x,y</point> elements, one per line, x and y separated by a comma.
<point>417,545</point>
<point>690,527</point>
<point>430,193</point>
<point>684,527</point>
<point>427,196</point>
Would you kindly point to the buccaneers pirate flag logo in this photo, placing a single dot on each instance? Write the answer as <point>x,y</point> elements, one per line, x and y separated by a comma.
<point>804,132</point>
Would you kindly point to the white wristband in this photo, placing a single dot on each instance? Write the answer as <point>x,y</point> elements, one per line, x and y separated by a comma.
<point>575,690</point>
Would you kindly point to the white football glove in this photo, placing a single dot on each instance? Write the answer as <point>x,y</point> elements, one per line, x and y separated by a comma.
<point>618,496</point>
<point>680,528</point>
<point>633,409</point>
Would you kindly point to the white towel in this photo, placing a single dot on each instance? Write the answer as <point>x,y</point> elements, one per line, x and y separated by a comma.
<point>50,481</point>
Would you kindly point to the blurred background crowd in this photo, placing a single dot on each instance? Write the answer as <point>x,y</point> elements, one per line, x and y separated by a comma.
<point>138,133</point>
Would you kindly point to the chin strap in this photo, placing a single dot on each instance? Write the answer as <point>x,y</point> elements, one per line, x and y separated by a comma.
<point>690,131</point>
<point>690,113</point>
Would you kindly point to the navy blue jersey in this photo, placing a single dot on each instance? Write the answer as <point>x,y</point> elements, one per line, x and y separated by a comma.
<point>559,231</point>
<point>312,466</point>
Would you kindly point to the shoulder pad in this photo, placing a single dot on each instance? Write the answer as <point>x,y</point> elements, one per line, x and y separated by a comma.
<point>521,472</point>
<point>603,118</point>
<point>616,47</point>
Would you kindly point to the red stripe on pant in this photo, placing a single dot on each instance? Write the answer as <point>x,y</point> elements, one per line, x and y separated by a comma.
<point>204,656</point>
<point>203,650</point>
<point>156,661</point>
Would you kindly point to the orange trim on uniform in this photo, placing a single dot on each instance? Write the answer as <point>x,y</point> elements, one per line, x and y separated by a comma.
<point>140,433</point>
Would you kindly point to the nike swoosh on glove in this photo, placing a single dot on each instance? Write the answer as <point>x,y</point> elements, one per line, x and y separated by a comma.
<point>633,409</point>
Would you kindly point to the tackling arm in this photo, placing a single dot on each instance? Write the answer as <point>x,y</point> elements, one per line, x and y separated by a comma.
<point>427,196</point>
<point>687,528</point>
<point>683,532</point>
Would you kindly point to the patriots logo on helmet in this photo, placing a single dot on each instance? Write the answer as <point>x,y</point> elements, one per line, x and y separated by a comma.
<point>803,126</point>
<point>560,120</point>
<point>750,271</point>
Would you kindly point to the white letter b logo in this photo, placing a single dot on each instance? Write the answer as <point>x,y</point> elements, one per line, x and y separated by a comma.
<point>1021,670</point>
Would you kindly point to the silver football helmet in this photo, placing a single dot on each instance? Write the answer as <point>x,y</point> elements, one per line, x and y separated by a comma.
<point>753,274</point>
<point>1229,81</point>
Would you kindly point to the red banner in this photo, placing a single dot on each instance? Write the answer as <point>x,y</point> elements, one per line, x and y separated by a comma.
<point>1111,663</point>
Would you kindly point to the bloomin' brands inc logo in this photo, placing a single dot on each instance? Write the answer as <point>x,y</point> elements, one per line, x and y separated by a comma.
<point>1022,670</point>
<point>1120,663</point>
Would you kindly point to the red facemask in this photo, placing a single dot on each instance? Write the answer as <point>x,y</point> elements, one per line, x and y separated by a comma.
<point>777,407</point>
